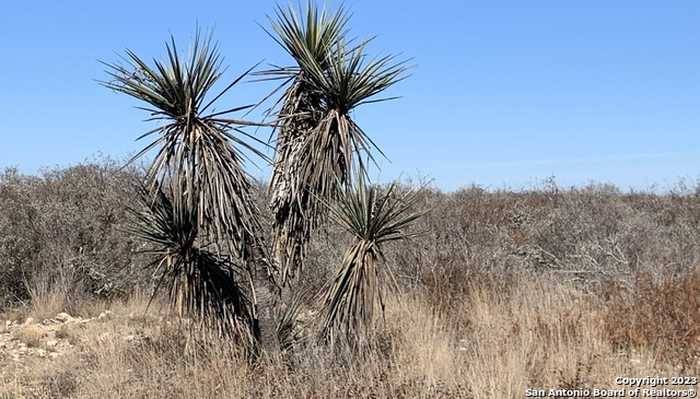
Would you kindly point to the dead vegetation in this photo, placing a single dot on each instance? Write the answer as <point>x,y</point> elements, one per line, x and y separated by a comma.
<point>505,291</point>
<point>664,316</point>
<point>496,343</point>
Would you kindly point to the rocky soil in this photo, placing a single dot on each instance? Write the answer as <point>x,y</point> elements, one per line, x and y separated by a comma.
<point>34,339</point>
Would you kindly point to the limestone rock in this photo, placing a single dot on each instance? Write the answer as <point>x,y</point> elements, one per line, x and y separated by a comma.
<point>106,315</point>
<point>64,317</point>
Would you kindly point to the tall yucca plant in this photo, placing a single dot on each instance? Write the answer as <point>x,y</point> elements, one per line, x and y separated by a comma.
<point>317,139</point>
<point>295,212</point>
<point>374,216</point>
<point>195,149</point>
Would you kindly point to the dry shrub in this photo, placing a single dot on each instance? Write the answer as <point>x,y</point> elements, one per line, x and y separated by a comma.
<point>66,226</point>
<point>596,231</point>
<point>664,315</point>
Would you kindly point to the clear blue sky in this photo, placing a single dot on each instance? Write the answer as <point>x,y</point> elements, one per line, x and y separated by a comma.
<point>503,94</point>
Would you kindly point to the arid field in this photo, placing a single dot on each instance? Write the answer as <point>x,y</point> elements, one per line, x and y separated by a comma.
<point>500,292</point>
<point>330,199</point>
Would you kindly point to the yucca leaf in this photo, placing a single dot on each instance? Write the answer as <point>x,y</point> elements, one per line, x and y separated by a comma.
<point>195,145</point>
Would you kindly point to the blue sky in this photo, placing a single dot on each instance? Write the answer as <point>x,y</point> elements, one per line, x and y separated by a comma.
<point>504,93</point>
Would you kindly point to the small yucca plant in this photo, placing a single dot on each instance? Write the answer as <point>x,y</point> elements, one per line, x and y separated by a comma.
<point>200,284</point>
<point>374,216</point>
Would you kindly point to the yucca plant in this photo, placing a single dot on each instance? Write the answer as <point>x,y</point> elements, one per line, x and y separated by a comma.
<point>195,149</point>
<point>198,215</point>
<point>374,216</point>
<point>199,283</point>
<point>317,139</point>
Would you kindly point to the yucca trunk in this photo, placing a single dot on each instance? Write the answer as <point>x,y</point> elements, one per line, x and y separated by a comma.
<point>264,322</point>
<point>292,202</point>
<point>265,294</point>
<point>291,230</point>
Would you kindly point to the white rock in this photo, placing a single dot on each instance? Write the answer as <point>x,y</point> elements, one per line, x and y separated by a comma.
<point>106,315</point>
<point>63,317</point>
<point>51,343</point>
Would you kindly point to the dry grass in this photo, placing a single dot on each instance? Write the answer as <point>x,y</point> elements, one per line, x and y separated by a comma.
<point>47,299</point>
<point>30,335</point>
<point>69,332</point>
<point>664,316</point>
<point>503,338</point>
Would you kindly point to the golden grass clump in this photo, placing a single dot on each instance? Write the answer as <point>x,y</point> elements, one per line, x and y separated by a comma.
<point>30,334</point>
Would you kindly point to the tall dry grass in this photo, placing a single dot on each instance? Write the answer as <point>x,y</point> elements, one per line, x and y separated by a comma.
<point>502,339</point>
